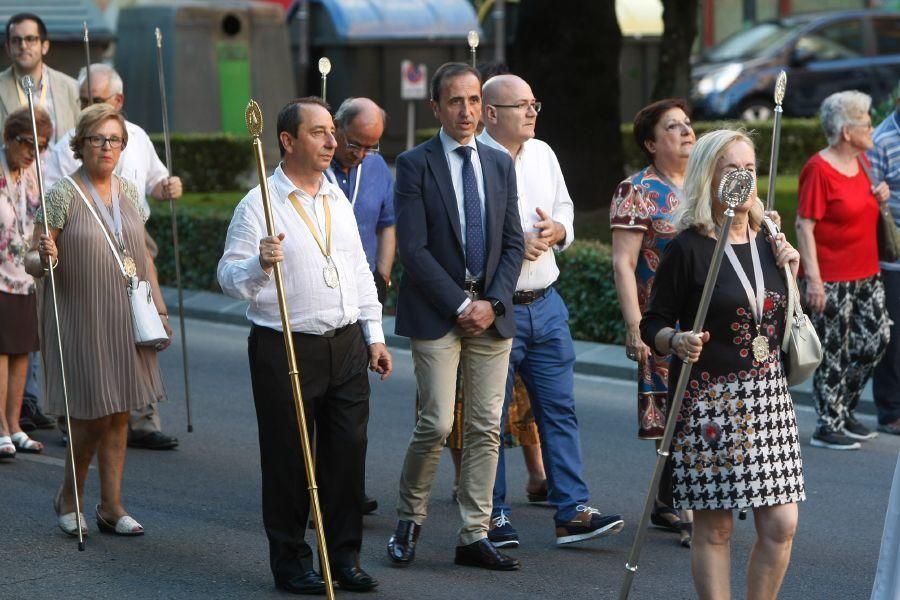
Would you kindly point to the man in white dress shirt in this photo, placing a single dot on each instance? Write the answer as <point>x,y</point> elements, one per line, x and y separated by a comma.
<point>336,322</point>
<point>140,165</point>
<point>542,351</point>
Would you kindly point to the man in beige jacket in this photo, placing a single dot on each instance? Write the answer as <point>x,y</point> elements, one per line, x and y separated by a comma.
<point>55,92</point>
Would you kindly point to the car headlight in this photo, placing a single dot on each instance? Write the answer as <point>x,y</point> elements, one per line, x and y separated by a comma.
<point>719,79</point>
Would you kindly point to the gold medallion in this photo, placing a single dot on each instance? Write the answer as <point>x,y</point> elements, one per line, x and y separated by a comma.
<point>129,266</point>
<point>760,345</point>
<point>331,275</point>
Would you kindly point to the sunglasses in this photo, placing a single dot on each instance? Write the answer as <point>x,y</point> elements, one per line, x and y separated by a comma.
<point>29,141</point>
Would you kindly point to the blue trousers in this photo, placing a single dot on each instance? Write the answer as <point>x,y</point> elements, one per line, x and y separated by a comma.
<point>544,355</point>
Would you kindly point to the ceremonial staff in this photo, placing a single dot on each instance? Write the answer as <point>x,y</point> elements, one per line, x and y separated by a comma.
<point>780,86</point>
<point>28,86</point>
<point>734,189</point>
<point>324,70</point>
<point>168,146</point>
<point>472,38</point>
<point>87,63</point>
<point>254,119</point>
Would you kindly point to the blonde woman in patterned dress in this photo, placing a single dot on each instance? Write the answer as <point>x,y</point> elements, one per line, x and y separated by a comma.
<point>736,443</point>
<point>18,313</point>
<point>114,376</point>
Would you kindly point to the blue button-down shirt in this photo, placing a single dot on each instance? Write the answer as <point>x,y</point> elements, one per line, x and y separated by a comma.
<point>372,199</point>
<point>885,159</point>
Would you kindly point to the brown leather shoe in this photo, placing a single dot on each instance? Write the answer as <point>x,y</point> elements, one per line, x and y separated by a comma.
<point>483,554</point>
<point>401,547</point>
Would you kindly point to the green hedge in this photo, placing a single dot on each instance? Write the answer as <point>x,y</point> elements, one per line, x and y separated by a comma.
<point>800,139</point>
<point>208,162</point>
<point>201,241</point>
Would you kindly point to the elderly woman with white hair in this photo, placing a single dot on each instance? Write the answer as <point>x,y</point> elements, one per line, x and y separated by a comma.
<point>837,217</point>
<point>736,443</point>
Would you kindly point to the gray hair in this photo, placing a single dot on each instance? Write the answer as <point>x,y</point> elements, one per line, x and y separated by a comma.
<point>115,81</point>
<point>349,110</point>
<point>843,109</point>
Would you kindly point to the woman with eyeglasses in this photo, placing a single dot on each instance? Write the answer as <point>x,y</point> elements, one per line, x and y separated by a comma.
<point>19,200</point>
<point>837,217</point>
<point>96,245</point>
<point>641,222</point>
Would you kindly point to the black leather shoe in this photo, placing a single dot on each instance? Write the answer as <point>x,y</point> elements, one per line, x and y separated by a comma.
<point>483,554</point>
<point>155,440</point>
<point>307,583</point>
<point>369,505</point>
<point>402,546</point>
<point>354,579</point>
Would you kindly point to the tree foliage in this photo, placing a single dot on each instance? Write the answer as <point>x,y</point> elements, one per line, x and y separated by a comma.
<point>673,77</point>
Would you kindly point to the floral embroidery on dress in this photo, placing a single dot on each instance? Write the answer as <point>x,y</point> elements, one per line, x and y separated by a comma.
<point>16,231</point>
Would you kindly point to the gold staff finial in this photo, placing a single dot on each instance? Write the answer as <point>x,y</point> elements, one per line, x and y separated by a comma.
<point>254,118</point>
<point>780,87</point>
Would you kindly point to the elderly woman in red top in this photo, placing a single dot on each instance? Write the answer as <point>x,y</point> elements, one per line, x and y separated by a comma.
<point>837,219</point>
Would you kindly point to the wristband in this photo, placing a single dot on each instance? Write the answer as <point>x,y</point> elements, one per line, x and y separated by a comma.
<point>671,340</point>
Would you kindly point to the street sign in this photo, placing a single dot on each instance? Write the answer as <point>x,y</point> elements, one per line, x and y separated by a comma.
<point>413,81</point>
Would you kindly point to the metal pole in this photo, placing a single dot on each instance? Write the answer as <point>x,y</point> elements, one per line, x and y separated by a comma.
<point>87,63</point>
<point>500,31</point>
<point>254,126</point>
<point>780,86</point>
<point>177,256</point>
<point>28,86</point>
<point>734,190</point>
<point>410,124</point>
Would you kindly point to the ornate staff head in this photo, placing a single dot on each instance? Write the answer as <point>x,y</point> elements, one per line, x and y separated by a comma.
<point>780,87</point>
<point>158,38</point>
<point>27,84</point>
<point>324,66</point>
<point>473,40</point>
<point>254,119</point>
<point>735,188</point>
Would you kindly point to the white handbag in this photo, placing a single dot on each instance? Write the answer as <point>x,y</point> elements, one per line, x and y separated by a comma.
<point>801,347</point>
<point>148,327</point>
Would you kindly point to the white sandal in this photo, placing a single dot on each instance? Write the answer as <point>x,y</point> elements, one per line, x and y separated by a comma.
<point>25,444</point>
<point>5,446</point>
<point>124,526</point>
<point>68,522</point>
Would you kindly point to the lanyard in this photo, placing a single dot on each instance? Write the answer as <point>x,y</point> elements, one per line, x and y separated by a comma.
<point>326,247</point>
<point>21,207</point>
<point>330,171</point>
<point>756,307</point>
<point>113,221</point>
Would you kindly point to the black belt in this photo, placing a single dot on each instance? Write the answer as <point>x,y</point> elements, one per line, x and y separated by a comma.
<point>473,286</point>
<point>528,296</point>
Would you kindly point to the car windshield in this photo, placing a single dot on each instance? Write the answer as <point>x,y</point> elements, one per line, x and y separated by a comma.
<point>757,41</point>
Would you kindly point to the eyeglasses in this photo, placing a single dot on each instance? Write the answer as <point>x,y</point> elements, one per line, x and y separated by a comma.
<point>28,40</point>
<point>85,102</point>
<point>27,141</point>
<point>98,141</point>
<point>523,106</point>
<point>363,149</point>
<point>864,124</point>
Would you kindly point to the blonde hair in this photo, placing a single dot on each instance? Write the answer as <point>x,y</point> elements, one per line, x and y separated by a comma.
<point>89,119</point>
<point>696,210</point>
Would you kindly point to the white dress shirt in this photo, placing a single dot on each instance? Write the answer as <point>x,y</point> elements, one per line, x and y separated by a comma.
<point>138,163</point>
<point>314,307</point>
<point>540,183</point>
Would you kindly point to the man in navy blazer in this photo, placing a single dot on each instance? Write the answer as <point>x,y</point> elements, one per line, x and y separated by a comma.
<point>461,246</point>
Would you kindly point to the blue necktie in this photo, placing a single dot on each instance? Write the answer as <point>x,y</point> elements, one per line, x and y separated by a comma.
<point>472,208</point>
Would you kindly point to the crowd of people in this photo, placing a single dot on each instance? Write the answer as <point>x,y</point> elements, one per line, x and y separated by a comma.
<point>476,216</point>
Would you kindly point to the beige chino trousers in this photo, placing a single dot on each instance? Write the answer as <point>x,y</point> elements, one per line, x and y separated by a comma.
<point>485,363</point>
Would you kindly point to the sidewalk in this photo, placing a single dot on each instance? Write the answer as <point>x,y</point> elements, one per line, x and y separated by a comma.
<point>605,360</point>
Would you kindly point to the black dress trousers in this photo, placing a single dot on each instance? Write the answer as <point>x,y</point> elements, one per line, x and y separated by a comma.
<point>335,386</point>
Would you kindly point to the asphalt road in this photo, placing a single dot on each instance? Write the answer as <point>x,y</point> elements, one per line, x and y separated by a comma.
<point>200,506</point>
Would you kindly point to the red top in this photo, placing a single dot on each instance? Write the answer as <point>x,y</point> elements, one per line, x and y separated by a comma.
<point>846,214</point>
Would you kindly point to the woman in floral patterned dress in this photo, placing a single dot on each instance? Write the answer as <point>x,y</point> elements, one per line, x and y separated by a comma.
<point>641,222</point>
<point>19,201</point>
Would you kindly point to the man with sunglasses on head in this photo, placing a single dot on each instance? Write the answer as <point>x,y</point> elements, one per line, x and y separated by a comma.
<point>57,93</point>
<point>364,177</point>
<point>140,165</point>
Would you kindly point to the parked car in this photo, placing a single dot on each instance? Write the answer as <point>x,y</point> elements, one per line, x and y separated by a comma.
<point>822,53</point>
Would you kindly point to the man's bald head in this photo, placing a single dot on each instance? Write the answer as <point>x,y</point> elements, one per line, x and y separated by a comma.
<point>509,109</point>
<point>360,124</point>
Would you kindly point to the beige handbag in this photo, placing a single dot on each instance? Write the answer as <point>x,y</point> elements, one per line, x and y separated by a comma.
<point>801,346</point>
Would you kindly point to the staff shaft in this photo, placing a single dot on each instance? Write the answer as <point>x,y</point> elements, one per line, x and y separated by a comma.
<point>167,143</point>
<point>663,451</point>
<point>773,160</point>
<point>294,373</point>
<point>87,64</point>
<point>324,87</point>
<point>62,367</point>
